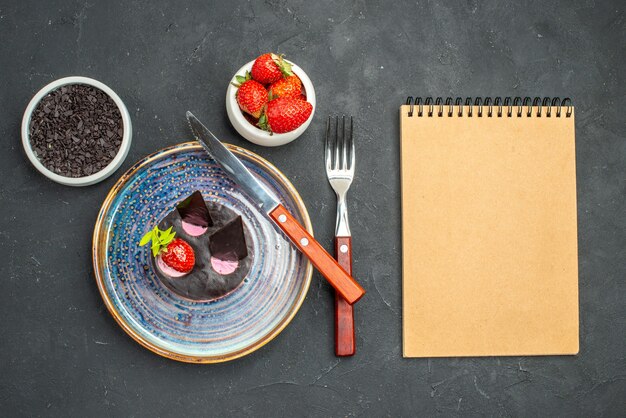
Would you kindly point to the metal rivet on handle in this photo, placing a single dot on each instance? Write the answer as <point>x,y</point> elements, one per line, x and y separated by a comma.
<point>282,218</point>
<point>343,248</point>
<point>304,241</point>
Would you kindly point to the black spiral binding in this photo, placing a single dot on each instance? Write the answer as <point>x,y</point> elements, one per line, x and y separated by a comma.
<point>523,106</point>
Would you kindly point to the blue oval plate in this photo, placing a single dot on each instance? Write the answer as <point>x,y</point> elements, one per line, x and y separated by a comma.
<point>160,320</point>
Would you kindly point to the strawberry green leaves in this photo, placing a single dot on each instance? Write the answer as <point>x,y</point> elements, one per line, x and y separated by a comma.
<point>242,79</point>
<point>262,123</point>
<point>160,239</point>
<point>283,65</point>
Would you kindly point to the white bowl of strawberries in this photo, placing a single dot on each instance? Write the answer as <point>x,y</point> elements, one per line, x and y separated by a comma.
<point>270,101</point>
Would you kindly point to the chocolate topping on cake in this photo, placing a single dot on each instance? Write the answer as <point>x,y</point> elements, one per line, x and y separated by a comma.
<point>193,210</point>
<point>229,242</point>
<point>205,282</point>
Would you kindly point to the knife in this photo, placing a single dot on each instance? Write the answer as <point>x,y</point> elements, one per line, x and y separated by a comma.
<point>268,203</point>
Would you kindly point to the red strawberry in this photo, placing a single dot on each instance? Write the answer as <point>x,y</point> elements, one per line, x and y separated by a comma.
<point>285,114</point>
<point>286,87</point>
<point>179,255</point>
<point>269,68</point>
<point>174,252</point>
<point>251,95</point>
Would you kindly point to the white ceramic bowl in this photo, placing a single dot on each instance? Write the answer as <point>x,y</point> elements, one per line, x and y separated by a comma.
<point>106,171</point>
<point>257,135</point>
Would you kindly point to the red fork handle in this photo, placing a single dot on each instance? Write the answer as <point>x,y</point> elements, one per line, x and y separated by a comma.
<point>345,339</point>
<point>323,262</point>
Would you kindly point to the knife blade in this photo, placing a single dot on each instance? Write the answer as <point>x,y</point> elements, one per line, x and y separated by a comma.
<point>268,203</point>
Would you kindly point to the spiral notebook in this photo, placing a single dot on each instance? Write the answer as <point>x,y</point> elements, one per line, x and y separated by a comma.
<point>489,227</point>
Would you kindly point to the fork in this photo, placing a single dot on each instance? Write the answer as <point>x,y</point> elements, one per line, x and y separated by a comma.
<point>339,154</point>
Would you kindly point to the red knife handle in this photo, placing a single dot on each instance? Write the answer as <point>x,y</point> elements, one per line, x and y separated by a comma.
<point>323,262</point>
<point>345,340</point>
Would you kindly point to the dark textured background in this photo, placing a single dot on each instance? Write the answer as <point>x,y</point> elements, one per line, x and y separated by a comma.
<point>63,354</point>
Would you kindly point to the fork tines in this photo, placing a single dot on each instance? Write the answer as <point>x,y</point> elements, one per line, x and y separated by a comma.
<point>339,148</point>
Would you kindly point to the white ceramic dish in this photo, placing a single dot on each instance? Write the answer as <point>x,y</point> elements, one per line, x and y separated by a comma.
<point>106,171</point>
<point>257,135</point>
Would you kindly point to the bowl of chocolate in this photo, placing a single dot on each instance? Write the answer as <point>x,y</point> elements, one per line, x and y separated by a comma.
<point>76,131</point>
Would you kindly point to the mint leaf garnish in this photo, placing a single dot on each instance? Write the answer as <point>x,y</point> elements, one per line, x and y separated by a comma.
<point>159,239</point>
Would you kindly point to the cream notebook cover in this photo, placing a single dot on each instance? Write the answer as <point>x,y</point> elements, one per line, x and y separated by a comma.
<point>489,228</point>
